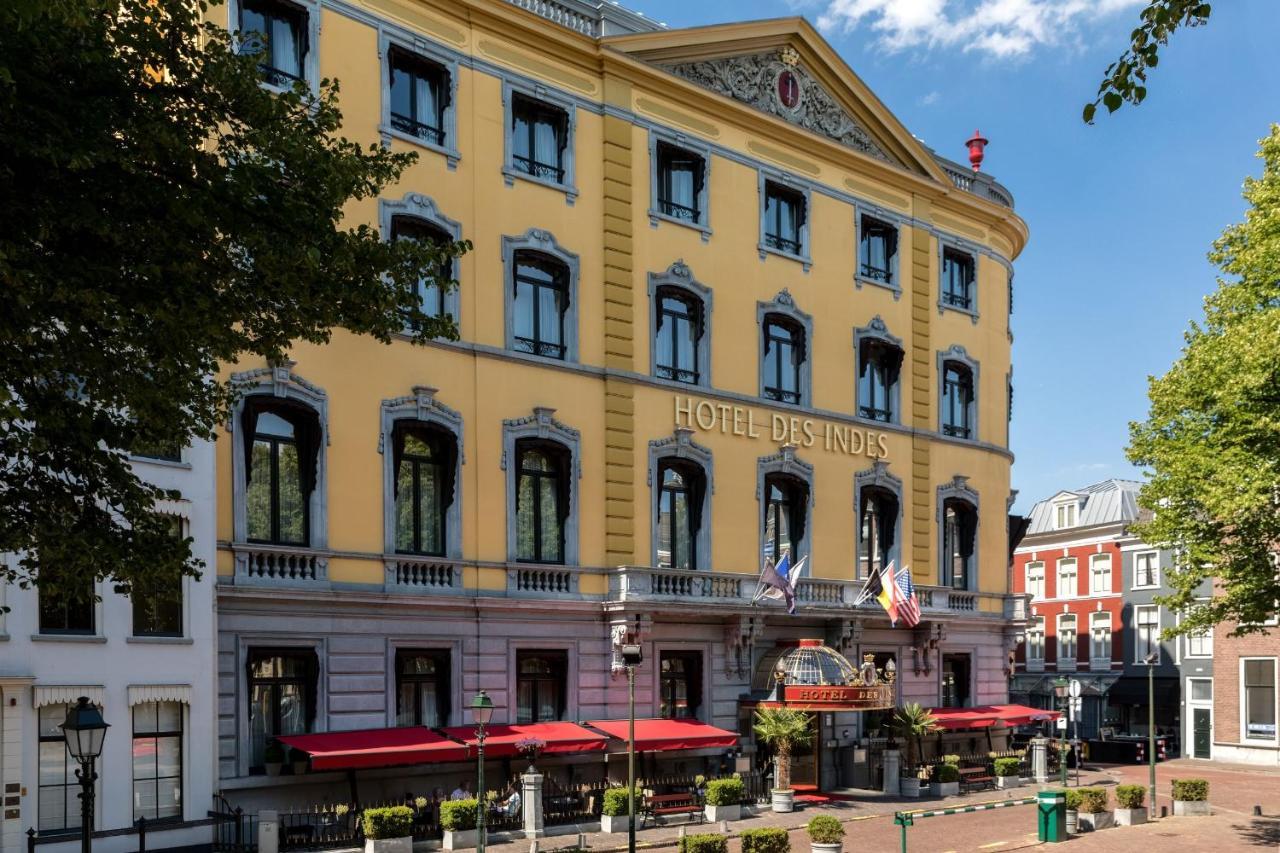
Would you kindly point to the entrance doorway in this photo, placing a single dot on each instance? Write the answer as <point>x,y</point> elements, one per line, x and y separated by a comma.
<point>1199,738</point>
<point>804,758</point>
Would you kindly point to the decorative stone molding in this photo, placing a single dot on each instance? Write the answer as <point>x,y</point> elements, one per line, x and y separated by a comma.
<point>543,242</point>
<point>878,476</point>
<point>784,305</point>
<point>423,208</point>
<point>682,446</point>
<point>958,354</point>
<point>543,425</point>
<point>740,635</point>
<point>624,630</point>
<point>390,38</point>
<point>844,635</point>
<point>680,277</point>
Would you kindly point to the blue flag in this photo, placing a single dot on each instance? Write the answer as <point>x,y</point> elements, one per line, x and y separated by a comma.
<point>775,583</point>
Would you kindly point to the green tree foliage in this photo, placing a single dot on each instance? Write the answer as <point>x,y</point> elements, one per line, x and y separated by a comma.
<point>163,214</point>
<point>1211,441</point>
<point>1126,78</point>
<point>783,729</point>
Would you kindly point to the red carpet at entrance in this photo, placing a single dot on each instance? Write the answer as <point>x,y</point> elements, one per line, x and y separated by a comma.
<point>811,794</point>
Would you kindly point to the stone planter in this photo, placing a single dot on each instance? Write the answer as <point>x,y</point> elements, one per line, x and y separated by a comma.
<point>1073,822</point>
<point>1004,783</point>
<point>909,786</point>
<point>299,768</point>
<point>1131,817</point>
<point>1191,808</point>
<point>944,789</point>
<point>616,822</point>
<point>784,801</point>
<point>388,845</point>
<point>715,814</point>
<point>1095,820</point>
<point>460,839</point>
<point>273,768</point>
<point>833,847</point>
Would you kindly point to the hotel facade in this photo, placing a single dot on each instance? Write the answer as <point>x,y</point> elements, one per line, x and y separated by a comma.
<point>721,304</point>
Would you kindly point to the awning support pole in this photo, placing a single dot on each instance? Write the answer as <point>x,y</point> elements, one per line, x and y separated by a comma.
<point>351,783</point>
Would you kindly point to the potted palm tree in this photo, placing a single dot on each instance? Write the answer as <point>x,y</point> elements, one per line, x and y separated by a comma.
<point>912,722</point>
<point>783,729</point>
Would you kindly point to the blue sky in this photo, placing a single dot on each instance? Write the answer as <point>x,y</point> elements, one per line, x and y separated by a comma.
<point>1122,214</point>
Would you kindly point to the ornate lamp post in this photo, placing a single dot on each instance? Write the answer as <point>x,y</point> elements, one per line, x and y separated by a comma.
<point>84,731</point>
<point>1060,688</point>
<point>632,656</point>
<point>1150,661</point>
<point>481,714</point>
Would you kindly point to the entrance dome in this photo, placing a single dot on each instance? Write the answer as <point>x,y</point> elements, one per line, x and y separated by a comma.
<point>811,664</point>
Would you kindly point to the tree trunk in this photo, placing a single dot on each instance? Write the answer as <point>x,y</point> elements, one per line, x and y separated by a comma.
<point>784,766</point>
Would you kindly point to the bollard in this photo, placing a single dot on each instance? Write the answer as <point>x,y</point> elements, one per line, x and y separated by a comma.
<point>1164,812</point>
<point>582,841</point>
<point>724,827</point>
<point>1257,811</point>
<point>533,846</point>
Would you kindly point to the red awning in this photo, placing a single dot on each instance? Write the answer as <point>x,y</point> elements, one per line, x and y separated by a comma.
<point>500,741</point>
<point>375,748</point>
<point>664,735</point>
<point>985,716</point>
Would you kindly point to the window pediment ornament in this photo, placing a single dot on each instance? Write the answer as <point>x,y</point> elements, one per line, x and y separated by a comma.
<point>680,446</point>
<point>877,329</point>
<point>421,405</point>
<point>542,424</point>
<point>785,461</point>
<point>877,475</point>
<point>776,83</point>
<point>279,380</point>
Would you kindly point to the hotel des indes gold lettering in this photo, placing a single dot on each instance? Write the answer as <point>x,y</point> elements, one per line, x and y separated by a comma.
<point>783,429</point>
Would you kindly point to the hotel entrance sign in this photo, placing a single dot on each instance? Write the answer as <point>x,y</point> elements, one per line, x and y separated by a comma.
<point>746,422</point>
<point>839,697</point>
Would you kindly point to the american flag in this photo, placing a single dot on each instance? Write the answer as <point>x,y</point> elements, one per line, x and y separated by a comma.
<point>909,605</point>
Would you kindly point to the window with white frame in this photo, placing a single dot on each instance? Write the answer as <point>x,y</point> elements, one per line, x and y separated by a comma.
<point>1064,516</point>
<point>1035,579</point>
<point>1147,619</point>
<point>1100,573</point>
<point>1067,586</point>
<point>1200,643</point>
<point>58,791</point>
<point>1035,641</point>
<point>1100,638</point>
<point>157,761</point>
<point>1067,641</point>
<point>1258,698</point>
<point>1146,569</point>
<point>1201,689</point>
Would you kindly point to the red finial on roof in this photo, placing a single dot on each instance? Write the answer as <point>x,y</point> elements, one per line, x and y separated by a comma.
<point>976,144</point>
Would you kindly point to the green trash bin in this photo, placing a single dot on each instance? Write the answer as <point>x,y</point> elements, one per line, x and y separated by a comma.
<point>1051,807</point>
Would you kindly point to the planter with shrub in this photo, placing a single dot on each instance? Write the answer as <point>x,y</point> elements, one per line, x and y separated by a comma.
<point>705,842</point>
<point>273,758</point>
<point>613,813</point>
<point>945,781</point>
<point>826,834</point>
<point>388,830</point>
<point>1190,798</point>
<point>769,840</point>
<point>1131,808</point>
<point>1095,811</point>
<point>1007,772</point>
<point>1073,810</point>
<point>724,799</point>
<point>299,761</point>
<point>458,822</point>
<point>915,783</point>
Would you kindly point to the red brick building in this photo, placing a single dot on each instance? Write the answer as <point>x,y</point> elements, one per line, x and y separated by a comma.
<point>1246,707</point>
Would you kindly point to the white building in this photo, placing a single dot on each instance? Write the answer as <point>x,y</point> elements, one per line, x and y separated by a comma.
<point>148,667</point>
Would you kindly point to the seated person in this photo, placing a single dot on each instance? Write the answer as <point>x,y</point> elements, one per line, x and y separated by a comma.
<point>510,807</point>
<point>462,792</point>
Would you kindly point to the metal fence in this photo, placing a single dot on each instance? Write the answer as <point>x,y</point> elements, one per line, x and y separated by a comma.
<point>233,830</point>
<point>332,825</point>
<point>571,803</point>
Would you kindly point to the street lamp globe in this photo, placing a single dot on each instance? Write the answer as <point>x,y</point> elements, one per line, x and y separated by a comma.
<point>1060,687</point>
<point>482,709</point>
<point>84,730</point>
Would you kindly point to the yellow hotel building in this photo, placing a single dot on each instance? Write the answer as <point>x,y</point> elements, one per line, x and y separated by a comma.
<point>721,305</point>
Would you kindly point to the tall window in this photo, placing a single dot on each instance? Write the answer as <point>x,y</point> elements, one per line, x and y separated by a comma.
<point>1258,699</point>
<point>1100,638</point>
<point>281,471</point>
<point>539,134</point>
<point>784,355</point>
<point>1146,568</point>
<point>956,671</point>
<point>877,250</point>
<point>276,31</point>
<point>680,327</point>
<point>1100,570</point>
<point>425,459</point>
<point>282,688</point>
<point>419,96</point>
<point>542,501</point>
<point>784,216</point>
<point>680,684</point>
<point>1035,579</point>
<point>58,806</point>
<point>1067,641</point>
<point>1064,516</point>
<point>431,292</point>
<point>1035,641</point>
<point>876,529</point>
<point>157,607</point>
<point>1200,643</point>
<point>957,400</point>
<point>680,177</point>
<point>879,363</point>
<point>1068,586</point>
<point>680,493</point>
<point>960,528</point>
<point>422,688</point>
<point>67,614</point>
<point>1147,619</point>
<point>157,761</point>
<point>957,279</point>
<point>540,686</point>
<point>541,299</point>
<point>786,500</point>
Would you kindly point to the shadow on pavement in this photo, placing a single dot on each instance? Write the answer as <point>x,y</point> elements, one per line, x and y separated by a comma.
<point>1260,832</point>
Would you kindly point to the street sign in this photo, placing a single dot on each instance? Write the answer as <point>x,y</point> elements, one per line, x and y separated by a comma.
<point>1062,723</point>
<point>1073,687</point>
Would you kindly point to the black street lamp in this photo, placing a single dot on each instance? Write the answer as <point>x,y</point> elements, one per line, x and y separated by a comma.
<point>481,714</point>
<point>1150,661</point>
<point>1060,690</point>
<point>84,730</point>
<point>632,656</point>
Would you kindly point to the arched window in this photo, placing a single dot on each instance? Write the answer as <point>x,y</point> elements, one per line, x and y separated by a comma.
<point>422,687</point>
<point>680,326</point>
<point>542,500</point>
<point>540,686</point>
<point>957,400</point>
<point>540,289</point>
<point>960,528</point>
<point>681,488</point>
<point>784,358</point>
<point>425,459</point>
<point>879,364</point>
<point>282,444</point>
<point>877,529</point>
<point>431,292</point>
<point>786,500</point>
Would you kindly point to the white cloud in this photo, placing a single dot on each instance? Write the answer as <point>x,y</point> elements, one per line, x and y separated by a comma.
<point>1002,29</point>
<point>931,98</point>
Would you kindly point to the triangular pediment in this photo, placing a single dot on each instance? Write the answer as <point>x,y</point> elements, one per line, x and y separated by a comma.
<point>785,69</point>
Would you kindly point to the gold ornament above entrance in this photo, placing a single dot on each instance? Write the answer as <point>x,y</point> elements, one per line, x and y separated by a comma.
<point>777,428</point>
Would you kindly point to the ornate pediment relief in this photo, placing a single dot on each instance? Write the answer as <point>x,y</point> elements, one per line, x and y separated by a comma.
<point>776,83</point>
